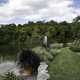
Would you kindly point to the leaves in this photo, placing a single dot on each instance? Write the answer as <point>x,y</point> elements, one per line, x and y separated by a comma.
<point>10,76</point>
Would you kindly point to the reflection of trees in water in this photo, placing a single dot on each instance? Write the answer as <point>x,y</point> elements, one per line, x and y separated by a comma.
<point>6,58</point>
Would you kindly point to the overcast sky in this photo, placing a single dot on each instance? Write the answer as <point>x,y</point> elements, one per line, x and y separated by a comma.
<point>21,11</point>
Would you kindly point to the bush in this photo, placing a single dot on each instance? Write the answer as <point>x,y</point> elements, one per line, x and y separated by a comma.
<point>56,45</point>
<point>65,66</point>
<point>75,46</point>
<point>9,76</point>
<point>43,53</point>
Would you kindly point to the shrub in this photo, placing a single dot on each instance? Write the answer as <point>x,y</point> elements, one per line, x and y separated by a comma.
<point>75,46</point>
<point>9,76</point>
<point>65,66</point>
<point>43,53</point>
<point>56,45</point>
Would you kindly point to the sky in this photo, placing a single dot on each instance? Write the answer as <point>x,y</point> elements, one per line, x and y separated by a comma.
<point>22,11</point>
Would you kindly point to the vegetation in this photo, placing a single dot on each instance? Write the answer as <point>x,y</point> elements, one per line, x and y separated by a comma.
<point>14,37</point>
<point>9,76</point>
<point>65,66</point>
<point>75,46</point>
<point>64,39</point>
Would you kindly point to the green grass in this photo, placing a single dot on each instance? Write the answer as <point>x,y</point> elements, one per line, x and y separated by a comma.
<point>66,66</point>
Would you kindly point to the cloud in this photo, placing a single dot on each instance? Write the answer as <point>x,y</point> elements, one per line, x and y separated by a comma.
<point>2,2</point>
<point>34,10</point>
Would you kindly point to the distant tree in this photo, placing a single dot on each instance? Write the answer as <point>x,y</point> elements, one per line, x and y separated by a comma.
<point>77,19</point>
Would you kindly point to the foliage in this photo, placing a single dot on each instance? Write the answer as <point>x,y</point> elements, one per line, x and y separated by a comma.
<point>16,37</point>
<point>65,66</point>
<point>56,45</point>
<point>75,45</point>
<point>63,63</point>
<point>43,53</point>
<point>47,54</point>
<point>9,76</point>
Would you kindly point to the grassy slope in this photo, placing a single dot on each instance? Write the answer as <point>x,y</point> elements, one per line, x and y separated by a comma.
<point>66,66</point>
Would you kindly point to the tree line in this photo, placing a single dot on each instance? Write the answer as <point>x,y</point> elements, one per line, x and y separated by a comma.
<point>31,33</point>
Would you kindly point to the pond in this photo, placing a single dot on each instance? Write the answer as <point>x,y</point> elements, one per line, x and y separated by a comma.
<point>10,66</point>
<point>6,66</point>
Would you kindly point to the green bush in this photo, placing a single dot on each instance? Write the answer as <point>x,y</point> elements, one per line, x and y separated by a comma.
<point>65,66</point>
<point>43,53</point>
<point>9,76</point>
<point>75,46</point>
<point>46,54</point>
<point>56,45</point>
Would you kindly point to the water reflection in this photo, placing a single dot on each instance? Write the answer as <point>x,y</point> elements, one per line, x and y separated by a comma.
<point>11,67</point>
<point>6,67</point>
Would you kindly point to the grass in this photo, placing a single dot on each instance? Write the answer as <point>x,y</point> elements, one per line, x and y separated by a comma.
<point>66,66</point>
